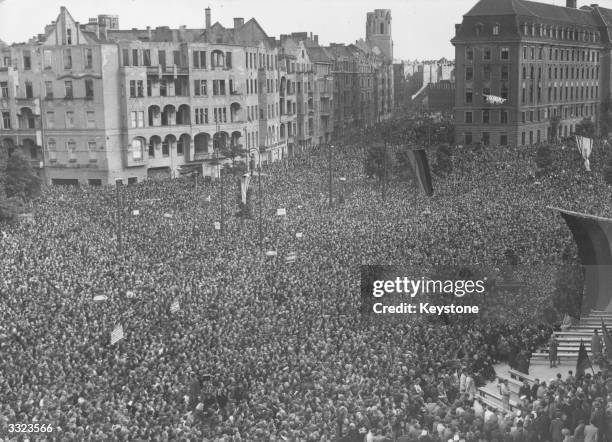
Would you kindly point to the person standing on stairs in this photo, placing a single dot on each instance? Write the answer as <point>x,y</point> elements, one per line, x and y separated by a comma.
<point>596,347</point>
<point>553,358</point>
<point>504,390</point>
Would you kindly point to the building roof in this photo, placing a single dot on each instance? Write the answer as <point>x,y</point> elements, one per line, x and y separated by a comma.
<point>544,11</point>
<point>606,15</point>
<point>319,54</point>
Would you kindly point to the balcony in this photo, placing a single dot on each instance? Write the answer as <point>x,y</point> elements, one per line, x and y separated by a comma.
<point>173,70</point>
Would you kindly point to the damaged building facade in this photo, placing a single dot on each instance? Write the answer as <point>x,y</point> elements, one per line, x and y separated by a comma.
<point>95,104</point>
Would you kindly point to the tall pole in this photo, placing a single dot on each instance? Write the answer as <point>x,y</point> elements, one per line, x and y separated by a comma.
<point>260,206</point>
<point>119,216</point>
<point>330,175</point>
<point>222,200</point>
<point>384,191</point>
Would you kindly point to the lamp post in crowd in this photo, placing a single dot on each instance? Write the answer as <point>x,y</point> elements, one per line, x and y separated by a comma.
<point>260,195</point>
<point>330,147</point>
<point>217,149</point>
<point>118,185</point>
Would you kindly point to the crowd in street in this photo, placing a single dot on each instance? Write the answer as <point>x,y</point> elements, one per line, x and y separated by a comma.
<point>265,348</point>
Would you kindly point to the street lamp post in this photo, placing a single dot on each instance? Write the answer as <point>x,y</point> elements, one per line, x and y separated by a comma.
<point>330,174</point>
<point>260,197</point>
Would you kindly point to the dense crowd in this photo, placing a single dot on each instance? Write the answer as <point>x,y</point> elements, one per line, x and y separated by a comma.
<point>263,348</point>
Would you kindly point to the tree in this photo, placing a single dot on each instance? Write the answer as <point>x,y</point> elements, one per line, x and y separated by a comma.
<point>605,117</point>
<point>233,151</point>
<point>403,169</point>
<point>378,161</point>
<point>444,163</point>
<point>608,170</point>
<point>544,156</point>
<point>586,128</point>
<point>9,209</point>
<point>21,181</point>
<point>555,121</point>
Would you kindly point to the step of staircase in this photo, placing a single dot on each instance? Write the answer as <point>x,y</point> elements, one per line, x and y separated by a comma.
<point>495,400</point>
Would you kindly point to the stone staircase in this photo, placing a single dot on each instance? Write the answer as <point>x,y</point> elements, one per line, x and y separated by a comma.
<point>489,394</point>
<point>569,343</point>
<point>569,340</point>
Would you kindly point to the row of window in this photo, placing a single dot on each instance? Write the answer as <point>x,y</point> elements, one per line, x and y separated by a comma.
<point>555,93</point>
<point>486,117</point>
<point>266,61</point>
<point>529,53</point>
<point>179,87</point>
<point>88,89</point>
<point>67,58</point>
<point>200,59</point>
<point>573,73</point>
<point>493,116</point>
<point>71,146</point>
<point>540,30</point>
<point>586,56</point>
<point>504,53</point>
<point>559,33</point>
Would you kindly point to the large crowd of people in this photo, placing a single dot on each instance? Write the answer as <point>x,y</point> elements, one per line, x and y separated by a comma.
<point>265,348</point>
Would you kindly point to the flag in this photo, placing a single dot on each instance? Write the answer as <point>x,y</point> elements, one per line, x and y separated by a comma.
<point>175,307</point>
<point>99,298</point>
<point>207,199</point>
<point>217,225</point>
<point>607,339</point>
<point>135,212</point>
<point>281,212</point>
<point>493,99</point>
<point>244,186</point>
<point>418,159</point>
<point>585,146</point>
<point>117,334</point>
<point>291,257</point>
<point>583,360</point>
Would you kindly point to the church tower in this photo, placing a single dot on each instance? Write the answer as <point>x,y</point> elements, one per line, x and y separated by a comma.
<point>378,32</point>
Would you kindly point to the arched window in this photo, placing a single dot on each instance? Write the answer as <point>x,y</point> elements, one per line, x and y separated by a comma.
<point>137,148</point>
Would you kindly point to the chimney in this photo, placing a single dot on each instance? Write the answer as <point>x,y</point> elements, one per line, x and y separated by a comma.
<point>149,34</point>
<point>207,18</point>
<point>570,4</point>
<point>238,21</point>
<point>316,40</point>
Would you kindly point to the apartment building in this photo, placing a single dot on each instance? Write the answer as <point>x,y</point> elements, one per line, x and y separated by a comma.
<point>93,104</point>
<point>550,63</point>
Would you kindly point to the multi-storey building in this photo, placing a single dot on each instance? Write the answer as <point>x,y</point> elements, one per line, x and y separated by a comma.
<point>92,103</point>
<point>324,90</point>
<point>109,104</point>
<point>550,63</point>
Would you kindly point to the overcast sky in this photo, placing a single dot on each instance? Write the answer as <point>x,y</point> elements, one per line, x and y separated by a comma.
<point>421,28</point>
